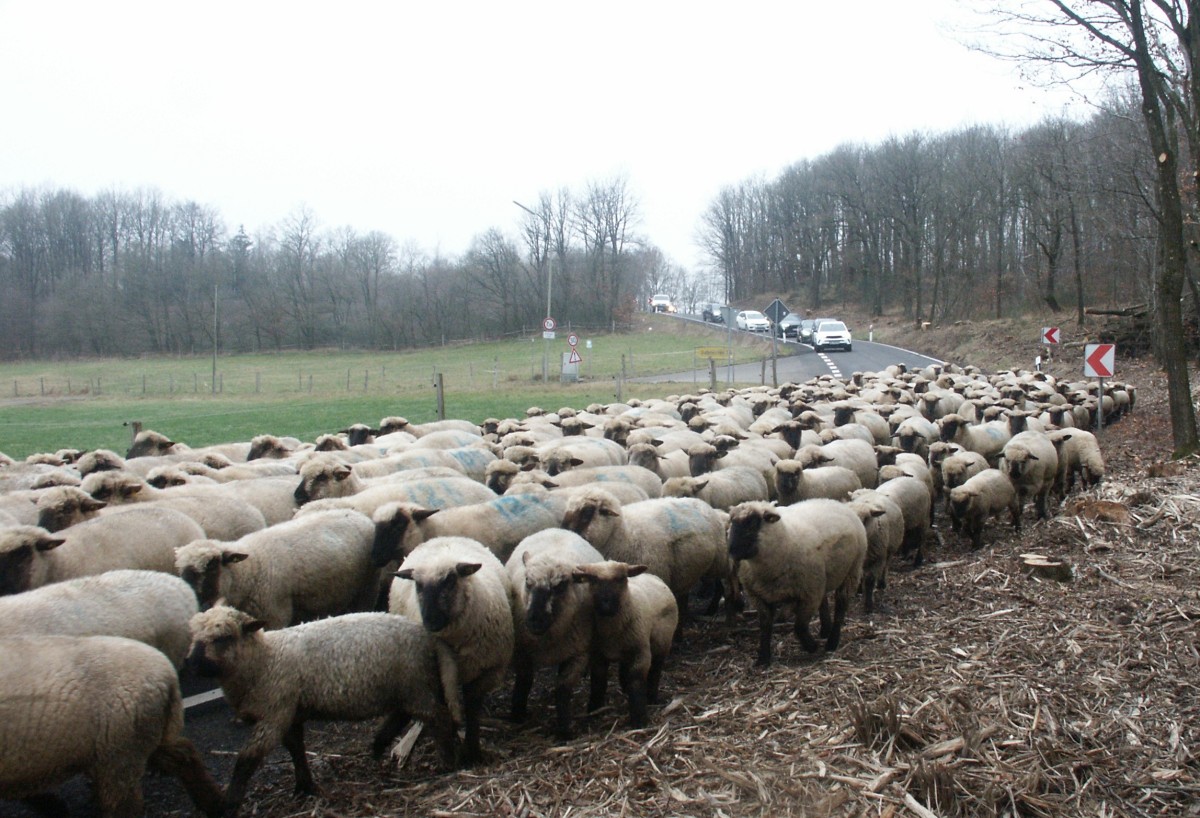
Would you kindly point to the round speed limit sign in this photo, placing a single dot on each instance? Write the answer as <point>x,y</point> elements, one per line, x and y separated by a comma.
<point>573,340</point>
<point>548,324</point>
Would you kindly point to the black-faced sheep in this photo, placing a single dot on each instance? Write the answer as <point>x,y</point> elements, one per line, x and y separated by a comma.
<point>461,593</point>
<point>723,489</point>
<point>352,667</point>
<point>554,617</point>
<point>228,520</point>
<point>883,521</point>
<point>316,565</point>
<point>1031,461</point>
<point>797,555</point>
<point>980,498</point>
<point>856,455</point>
<point>635,618</point>
<point>794,482</point>
<point>103,706</point>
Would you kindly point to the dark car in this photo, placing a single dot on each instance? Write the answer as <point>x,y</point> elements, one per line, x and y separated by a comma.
<point>789,326</point>
<point>806,328</point>
<point>712,313</point>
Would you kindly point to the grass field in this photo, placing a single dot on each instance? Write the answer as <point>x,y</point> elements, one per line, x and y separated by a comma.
<point>47,405</point>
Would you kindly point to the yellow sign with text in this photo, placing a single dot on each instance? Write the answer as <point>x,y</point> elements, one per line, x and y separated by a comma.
<point>711,352</point>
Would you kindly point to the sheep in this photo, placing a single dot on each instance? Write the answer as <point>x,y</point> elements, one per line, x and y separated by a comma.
<point>104,706</point>
<point>721,489</point>
<point>641,477</point>
<point>883,521</point>
<point>272,447</point>
<point>981,497</point>
<point>705,457</point>
<point>396,423</point>
<point>664,463</point>
<point>553,617</point>
<point>147,606</point>
<point>986,438</point>
<point>914,498</point>
<point>352,667</point>
<point>635,617</point>
<point>680,539</point>
<point>1078,453</point>
<point>149,443</point>
<point>957,469</point>
<point>536,481</point>
<point>915,434</point>
<point>316,565</point>
<point>573,453</point>
<point>461,593</point>
<point>1031,460</point>
<point>797,555</point>
<point>140,538</point>
<point>323,479</point>
<point>856,455</point>
<point>500,524</point>
<point>228,520</point>
<point>794,482</point>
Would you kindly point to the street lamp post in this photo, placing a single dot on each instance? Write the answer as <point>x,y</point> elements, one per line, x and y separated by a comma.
<point>549,283</point>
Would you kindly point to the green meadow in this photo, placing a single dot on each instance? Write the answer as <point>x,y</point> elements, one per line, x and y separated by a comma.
<point>86,403</point>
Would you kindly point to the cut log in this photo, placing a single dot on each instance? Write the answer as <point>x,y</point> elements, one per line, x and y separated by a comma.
<point>1046,568</point>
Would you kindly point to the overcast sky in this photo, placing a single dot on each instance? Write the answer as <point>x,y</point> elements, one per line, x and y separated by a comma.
<point>426,120</point>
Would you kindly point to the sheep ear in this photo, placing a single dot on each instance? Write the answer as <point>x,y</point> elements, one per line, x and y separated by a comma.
<point>580,575</point>
<point>404,573</point>
<point>575,461</point>
<point>49,542</point>
<point>608,511</point>
<point>529,465</point>
<point>424,513</point>
<point>525,558</point>
<point>465,569</point>
<point>252,626</point>
<point>877,512</point>
<point>230,557</point>
<point>130,490</point>
<point>634,570</point>
<point>91,504</point>
<point>341,473</point>
<point>700,484</point>
<point>771,516</point>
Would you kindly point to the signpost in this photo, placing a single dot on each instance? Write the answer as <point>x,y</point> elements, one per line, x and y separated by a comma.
<point>1049,335</point>
<point>1099,361</point>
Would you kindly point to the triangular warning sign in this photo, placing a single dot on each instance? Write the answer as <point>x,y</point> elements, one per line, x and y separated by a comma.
<point>574,359</point>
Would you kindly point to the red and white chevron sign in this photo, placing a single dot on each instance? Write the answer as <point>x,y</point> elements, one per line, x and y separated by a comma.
<point>1049,335</point>
<point>1099,360</point>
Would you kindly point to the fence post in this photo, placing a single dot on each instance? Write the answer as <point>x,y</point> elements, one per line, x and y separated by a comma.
<point>195,383</point>
<point>221,381</point>
<point>170,383</point>
<point>440,386</point>
<point>14,387</point>
<point>366,378</point>
<point>310,384</point>
<point>347,380</point>
<point>143,384</point>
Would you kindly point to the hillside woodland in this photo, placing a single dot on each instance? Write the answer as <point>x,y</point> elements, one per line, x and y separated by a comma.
<point>984,690</point>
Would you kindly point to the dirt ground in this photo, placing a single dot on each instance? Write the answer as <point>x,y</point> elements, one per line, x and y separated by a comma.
<point>984,691</point>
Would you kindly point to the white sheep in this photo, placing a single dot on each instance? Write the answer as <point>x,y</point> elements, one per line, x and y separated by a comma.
<point>1031,461</point>
<point>461,593</point>
<point>316,565</point>
<point>148,606</point>
<point>982,497</point>
<point>352,667</point>
<point>916,501</point>
<point>956,469</point>
<point>723,489</point>
<point>335,486</point>
<point>664,463</point>
<point>705,457</point>
<point>554,617</point>
<point>916,434</point>
<point>635,616</point>
<point>643,478</point>
<point>103,706</point>
<point>986,438</point>
<point>680,539</point>
<point>139,538</point>
<point>794,482</point>
<point>856,455</point>
<point>1078,454</point>
<point>797,555</point>
<point>536,481</point>
<point>883,521</point>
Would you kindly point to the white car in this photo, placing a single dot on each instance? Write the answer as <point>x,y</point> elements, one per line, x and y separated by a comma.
<point>831,334</point>
<point>753,320</point>
<point>661,303</point>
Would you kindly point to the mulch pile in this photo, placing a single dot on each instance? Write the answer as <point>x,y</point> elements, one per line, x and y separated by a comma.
<point>986,690</point>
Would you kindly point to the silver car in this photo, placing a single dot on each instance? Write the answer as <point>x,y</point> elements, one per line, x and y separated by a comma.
<point>753,321</point>
<point>831,334</point>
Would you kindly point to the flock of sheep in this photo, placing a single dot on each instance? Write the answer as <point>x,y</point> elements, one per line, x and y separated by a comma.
<point>403,571</point>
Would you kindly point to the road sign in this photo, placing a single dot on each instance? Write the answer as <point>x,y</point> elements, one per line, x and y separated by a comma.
<point>776,311</point>
<point>573,339</point>
<point>548,324</point>
<point>710,352</point>
<point>1099,360</point>
<point>1049,335</point>
<point>574,359</point>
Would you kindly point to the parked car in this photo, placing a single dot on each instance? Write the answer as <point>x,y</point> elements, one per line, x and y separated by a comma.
<point>789,326</point>
<point>712,313</point>
<point>753,320</point>
<point>661,303</point>
<point>831,333</point>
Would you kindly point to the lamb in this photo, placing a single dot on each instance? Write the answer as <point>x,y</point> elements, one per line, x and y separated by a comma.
<point>1078,453</point>
<point>721,489</point>
<point>554,617</point>
<point>140,538</point>
<point>635,619</point>
<point>101,705</point>
<point>679,539</point>
<point>855,455</point>
<point>883,521</point>
<point>352,667</point>
<point>914,498</point>
<point>461,593</point>
<point>227,520</point>
<point>147,606</point>
<point>982,497</point>
<point>316,565</point>
<point>794,482</point>
<point>1031,460</point>
<point>798,555</point>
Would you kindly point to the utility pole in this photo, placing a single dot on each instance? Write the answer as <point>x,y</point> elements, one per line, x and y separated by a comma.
<point>549,282</point>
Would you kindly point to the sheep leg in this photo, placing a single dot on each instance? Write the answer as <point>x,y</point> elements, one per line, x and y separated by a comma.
<point>392,726</point>
<point>599,673</point>
<point>181,759</point>
<point>801,629</point>
<point>248,761</point>
<point>826,620</point>
<point>681,603</point>
<point>522,685</point>
<point>293,740</point>
<point>1039,503</point>
<point>766,621</point>
<point>633,682</point>
<point>569,674</point>
<point>47,805</point>
<point>118,790</point>
<point>869,593</point>
<point>841,602</point>
<point>473,694</point>
<point>653,677</point>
